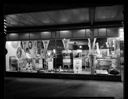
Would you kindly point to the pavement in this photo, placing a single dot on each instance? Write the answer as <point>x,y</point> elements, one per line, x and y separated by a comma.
<point>40,87</point>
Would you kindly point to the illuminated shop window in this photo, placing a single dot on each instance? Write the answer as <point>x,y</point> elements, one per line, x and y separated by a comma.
<point>121,34</point>
<point>107,56</point>
<point>66,55</point>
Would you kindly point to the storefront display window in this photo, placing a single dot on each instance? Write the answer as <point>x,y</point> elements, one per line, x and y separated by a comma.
<point>34,55</point>
<point>107,57</point>
<point>98,55</point>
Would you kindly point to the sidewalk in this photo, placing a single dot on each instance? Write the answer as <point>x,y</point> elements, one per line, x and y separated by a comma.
<point>34,87</point>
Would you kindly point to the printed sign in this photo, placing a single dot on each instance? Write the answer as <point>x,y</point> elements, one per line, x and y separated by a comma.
<point>19,52</point>
<point>77,65</point>
<point>66,60</point>
<point>46,43</point>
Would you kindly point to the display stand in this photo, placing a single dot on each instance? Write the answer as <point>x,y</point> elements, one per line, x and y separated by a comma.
<point>49,60</point>
<point>40,63</point>
<point>50,63</point>
<point>77,65</point>
<point>77,61</point>
<point>66,58</point>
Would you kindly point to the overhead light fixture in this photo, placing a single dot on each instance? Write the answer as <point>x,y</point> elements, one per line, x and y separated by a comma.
<point>88,30</point>
<point>45,32</point>
<point>102,29</point>
<point>13,34</point>
<point>64,31</point>
<point>82,30</point>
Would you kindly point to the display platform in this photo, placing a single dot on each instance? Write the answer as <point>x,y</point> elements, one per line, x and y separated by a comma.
<point>100,77</point>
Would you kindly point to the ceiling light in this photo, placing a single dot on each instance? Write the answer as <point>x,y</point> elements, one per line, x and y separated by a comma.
<point>13,34</point>
<point>64,31</point>
<point>45,32</point>
<point>82,30</point>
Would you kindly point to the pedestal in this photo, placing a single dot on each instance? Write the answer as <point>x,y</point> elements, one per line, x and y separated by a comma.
<point>50,64</point>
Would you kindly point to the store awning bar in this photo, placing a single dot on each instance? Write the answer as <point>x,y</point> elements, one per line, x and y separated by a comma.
<point>65,27</point>
<point>66,17</point>
<point>68,34</point>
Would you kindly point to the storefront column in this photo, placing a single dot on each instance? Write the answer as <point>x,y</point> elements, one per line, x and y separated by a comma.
<point>3,52</point>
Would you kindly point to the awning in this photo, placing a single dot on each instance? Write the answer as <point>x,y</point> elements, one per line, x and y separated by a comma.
<point>67,16</point>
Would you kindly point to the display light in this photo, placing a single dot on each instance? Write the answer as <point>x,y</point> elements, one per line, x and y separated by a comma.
<point>45,32</point>
<point>13,35</point>
<point>54,51</point>
<point>49,53</point>
<point>80,46</point>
